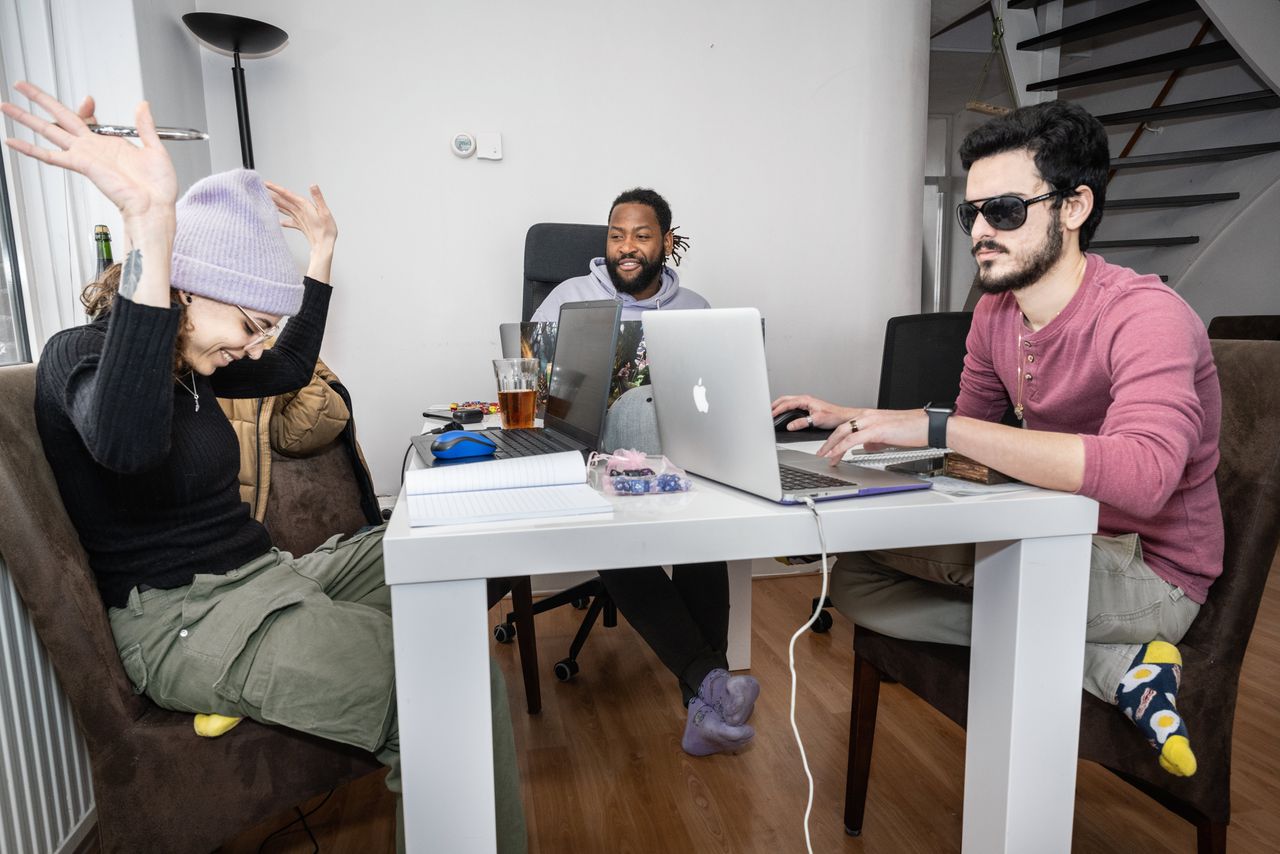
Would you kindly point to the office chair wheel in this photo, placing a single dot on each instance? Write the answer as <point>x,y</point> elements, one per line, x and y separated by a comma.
<point>566,669</point>
<point>504,632</point>
<point>820,626</point>
<point>581,603</point>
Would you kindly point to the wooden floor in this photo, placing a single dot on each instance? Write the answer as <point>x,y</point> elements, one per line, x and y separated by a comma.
<point>602,768</point>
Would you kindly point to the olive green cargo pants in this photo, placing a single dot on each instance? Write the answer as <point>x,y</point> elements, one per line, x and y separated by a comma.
<point>302,642</point>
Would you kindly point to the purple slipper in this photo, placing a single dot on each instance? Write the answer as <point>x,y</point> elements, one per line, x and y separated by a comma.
<point>734,697</point>
<point>705,732</point>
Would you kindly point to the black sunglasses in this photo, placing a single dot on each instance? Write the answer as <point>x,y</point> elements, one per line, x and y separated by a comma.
<point>1003,213</point>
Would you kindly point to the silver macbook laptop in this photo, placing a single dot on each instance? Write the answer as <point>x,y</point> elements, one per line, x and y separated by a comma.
<point>577,394</point>
<point>712,393</point>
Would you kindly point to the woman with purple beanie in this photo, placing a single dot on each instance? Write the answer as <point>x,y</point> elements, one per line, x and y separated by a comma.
<point>208,617</point>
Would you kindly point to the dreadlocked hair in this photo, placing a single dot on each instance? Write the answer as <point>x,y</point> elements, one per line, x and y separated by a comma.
<point>98,296</point>
<point>662,210</point>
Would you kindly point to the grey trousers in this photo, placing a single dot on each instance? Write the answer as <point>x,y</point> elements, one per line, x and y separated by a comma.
<point>926,594</point>
<point>301,642</point>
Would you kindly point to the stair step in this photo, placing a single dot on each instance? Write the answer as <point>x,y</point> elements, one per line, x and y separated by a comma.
<point>1143,241</point>
<point>1264,99</point>
<point>1170,201</point>
<point>1205,54</point>
<point>1133,16</point>
<point>1203,155</point>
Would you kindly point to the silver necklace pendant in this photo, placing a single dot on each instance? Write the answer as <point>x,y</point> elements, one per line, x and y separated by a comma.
<point>195,394</point>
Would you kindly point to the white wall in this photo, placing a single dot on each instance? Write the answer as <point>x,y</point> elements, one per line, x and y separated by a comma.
<point>789,140</point>
<point>169,59</point>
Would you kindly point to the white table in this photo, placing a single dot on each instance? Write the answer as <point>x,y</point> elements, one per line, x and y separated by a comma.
<point>1030,597</point>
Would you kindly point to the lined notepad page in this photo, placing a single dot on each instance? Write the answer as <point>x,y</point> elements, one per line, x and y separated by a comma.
<point>543,470</point>
<point>494,505</point>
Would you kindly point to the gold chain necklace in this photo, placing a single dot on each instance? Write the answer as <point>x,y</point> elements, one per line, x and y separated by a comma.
<point>196,394</point>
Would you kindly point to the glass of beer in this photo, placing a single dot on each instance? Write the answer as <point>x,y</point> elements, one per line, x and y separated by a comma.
<point>517,391</point>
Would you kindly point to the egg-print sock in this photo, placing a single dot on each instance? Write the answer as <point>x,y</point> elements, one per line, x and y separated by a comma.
<point>1148,696</point>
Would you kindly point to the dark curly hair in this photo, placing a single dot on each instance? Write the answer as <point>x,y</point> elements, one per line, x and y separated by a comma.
<point>662,210</point>
<point>1069,146</point>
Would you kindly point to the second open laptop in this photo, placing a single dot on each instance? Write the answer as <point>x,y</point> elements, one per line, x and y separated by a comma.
<point>711,389</point>
<point>578,391</point>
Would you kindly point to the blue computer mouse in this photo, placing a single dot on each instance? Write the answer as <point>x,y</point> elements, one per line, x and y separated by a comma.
<point>462,443</point>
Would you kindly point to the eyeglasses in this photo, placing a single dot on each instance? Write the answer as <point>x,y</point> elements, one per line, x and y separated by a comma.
<point>263,334</point>
<point>1003,213</point>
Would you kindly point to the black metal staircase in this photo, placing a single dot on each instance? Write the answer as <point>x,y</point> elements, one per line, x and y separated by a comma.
<point>1141,16</point>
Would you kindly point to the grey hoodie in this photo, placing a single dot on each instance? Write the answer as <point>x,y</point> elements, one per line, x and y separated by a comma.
<point>598,285</point>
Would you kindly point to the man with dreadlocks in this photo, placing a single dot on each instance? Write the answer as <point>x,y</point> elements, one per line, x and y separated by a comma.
<point>634,268</point>
<point>683,618</point>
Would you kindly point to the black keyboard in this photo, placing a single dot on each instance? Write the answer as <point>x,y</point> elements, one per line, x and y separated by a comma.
<point>797,479</point>
<point>528,443</point>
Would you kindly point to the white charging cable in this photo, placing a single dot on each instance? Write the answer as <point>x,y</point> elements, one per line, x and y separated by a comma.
<point>791,660</point>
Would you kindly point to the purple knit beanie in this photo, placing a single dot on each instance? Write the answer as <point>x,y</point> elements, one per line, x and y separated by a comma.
<point>229,245</point>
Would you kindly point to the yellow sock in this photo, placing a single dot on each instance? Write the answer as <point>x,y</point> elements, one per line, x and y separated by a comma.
<point>1176,756</point>
<point>1162,652</point>
<point>212,726</point>
<point>1147,695</point>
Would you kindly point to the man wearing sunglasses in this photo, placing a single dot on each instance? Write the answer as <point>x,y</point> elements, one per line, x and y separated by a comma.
<point>1112,380</point>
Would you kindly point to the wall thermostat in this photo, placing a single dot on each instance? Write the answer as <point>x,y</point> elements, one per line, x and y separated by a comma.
<point>463,145</point>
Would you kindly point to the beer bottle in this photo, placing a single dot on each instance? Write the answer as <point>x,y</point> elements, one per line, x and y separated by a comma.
<point>102,236</point>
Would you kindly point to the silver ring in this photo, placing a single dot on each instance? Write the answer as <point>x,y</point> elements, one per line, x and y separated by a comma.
<point>809,420</point>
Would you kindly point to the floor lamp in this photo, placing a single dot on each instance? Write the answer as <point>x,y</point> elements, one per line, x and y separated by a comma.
<point>235,35</point>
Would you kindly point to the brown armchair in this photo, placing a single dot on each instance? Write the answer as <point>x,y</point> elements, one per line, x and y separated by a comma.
<point>156,784</point>
<point>1249,487</point>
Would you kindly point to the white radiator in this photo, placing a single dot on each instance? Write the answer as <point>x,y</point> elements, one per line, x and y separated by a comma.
<point>46,798</point>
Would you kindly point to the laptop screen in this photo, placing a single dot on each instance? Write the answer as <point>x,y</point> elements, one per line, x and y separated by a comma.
<point>582,369</point>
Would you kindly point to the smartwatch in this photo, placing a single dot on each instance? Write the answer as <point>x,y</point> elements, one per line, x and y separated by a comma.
<point>938,416</point>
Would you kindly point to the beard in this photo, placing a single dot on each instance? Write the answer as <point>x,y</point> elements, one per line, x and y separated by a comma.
<point>645,277</point>
<point>1032,269</point>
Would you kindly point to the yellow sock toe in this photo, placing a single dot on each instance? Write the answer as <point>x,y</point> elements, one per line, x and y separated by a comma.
<point>1176,756</point>
<point>212,726</point>
<point>1160,652</point>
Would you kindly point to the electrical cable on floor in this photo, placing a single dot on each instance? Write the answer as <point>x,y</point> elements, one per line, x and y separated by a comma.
<point>791,661</point>
<point>302,817</point>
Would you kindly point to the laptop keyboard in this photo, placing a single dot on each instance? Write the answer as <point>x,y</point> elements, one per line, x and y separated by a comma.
<point>797,479</point>
<point>528,443</point>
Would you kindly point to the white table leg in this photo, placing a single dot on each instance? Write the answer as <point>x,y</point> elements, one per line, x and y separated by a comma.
<point>1029,605</point>
<point>739,652</point>
<point>446,736</point>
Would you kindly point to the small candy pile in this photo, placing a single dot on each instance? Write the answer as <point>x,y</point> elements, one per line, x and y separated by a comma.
<point>483,406</point>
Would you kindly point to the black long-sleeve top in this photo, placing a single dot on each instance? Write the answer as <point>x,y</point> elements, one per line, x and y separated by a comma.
<point>149,482</point>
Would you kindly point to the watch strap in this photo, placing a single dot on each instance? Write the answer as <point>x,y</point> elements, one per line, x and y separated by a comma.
<point>938,426</point>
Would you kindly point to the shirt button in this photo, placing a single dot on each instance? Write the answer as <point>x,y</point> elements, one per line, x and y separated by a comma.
<point>1029,377</point>
<point>182,634</point>
<point>1031,357</point>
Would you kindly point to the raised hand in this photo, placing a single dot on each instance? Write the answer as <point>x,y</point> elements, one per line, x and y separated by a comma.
<point>138,179</point>
<point>313,218</point>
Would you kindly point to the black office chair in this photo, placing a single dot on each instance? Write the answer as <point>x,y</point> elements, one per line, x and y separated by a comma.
<point>553,252</point>
<point>923,358</point>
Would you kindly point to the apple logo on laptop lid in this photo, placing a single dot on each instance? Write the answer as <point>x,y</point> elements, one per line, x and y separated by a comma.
<point>700,396</point>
